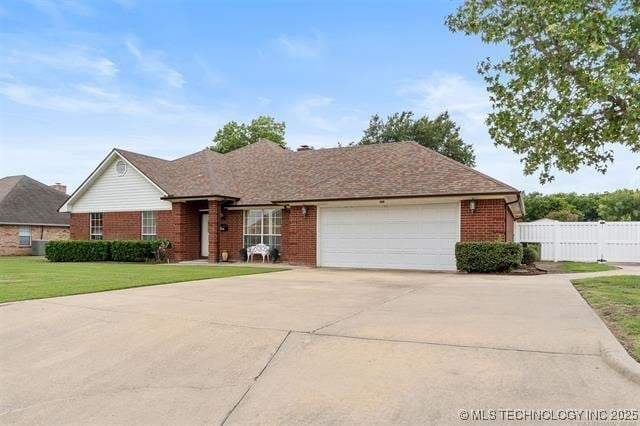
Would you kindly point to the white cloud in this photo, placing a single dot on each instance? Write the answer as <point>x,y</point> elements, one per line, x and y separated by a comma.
<point>209,75</point>
<point>452,93</point>
<point>56,9</point>
<point>301,47</point>
<point>75,59</point>
<point>91,99</point>
<point>96,91</point>
<point>308,110</point>
<point>151,62</point>
<point>319,122</point>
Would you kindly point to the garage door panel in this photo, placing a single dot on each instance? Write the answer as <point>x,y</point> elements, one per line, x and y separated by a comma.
<point>404,237</point>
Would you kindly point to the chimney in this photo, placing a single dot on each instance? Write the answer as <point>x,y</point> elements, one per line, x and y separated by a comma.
<point>59,187</point>
<point>304,148</point>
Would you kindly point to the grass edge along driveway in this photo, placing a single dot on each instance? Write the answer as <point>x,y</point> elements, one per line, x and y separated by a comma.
<point>26,277</point>
<point>616,299</point>
<point>586,266</point>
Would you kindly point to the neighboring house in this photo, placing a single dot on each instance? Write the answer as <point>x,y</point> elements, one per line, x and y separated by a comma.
<point>396,205</point>
<point>29,211</point>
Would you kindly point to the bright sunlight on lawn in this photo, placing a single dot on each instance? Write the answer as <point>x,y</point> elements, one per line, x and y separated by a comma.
<point>25,277</point>
<point>617,301</point>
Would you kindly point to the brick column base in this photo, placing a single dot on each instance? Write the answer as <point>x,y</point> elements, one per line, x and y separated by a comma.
<point>214,231</point>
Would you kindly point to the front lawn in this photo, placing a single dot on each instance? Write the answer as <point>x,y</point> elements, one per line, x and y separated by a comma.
<point>617,300</point>
<point>26,277</point>
<point>586,267</point>
<point>563,267</point>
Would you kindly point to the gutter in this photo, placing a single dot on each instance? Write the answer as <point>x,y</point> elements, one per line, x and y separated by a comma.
<point>397,197</point>
<point>198,197</point>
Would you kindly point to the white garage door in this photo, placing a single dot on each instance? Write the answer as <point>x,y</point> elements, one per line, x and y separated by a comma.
<point>397,237</point>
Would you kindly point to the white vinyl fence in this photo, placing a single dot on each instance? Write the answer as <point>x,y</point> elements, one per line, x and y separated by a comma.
<point>582,241</point>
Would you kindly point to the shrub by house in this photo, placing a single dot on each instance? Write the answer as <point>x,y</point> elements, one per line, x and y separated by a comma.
<point>488,256</point>
<point>105,250</point>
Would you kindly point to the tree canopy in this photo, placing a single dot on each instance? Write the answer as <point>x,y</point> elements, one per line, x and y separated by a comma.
<point>235,135</point>
<point>440,134</point>
<point>620,205</point>
<point>569,89</point>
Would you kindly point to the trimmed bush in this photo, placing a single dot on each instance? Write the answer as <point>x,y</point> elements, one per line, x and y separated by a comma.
<point>103,250</point>
<point>78,251</point>
<point>133,250</point>
<point>529,255</point>
<point>488,257</point>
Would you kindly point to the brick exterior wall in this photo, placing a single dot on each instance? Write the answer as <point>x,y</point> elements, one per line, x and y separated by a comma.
<point>231,239</point>
<point>488,223</point>
<point>10,240</point>
<point>214,231</point>
<point>79,226</point>
<point>299,236</point>
<point>492,221</point>
<point>186,231</point>
<point>181,226</point>
<point>121,225</point>
<point>115,225</point>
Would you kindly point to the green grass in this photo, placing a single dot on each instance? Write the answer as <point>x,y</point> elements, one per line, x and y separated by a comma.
<point>617,301</point>
<point>586,267</point>
<point>26,277</point>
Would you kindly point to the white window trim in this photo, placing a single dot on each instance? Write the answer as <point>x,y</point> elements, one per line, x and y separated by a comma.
<point>20,236</point>
<point>155,224</point>
<point>245,213</point>
<point>91,234</point>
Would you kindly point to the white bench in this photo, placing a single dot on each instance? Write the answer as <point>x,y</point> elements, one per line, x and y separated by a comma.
<point>261,249</point>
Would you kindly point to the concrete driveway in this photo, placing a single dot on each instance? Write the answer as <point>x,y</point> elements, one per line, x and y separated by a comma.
<point>307,346</point>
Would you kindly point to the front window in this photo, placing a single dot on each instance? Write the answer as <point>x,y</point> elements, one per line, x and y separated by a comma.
<point>262,226</point>
<point>95,226</point>
<point>149,225</point>
<point>24,234</point>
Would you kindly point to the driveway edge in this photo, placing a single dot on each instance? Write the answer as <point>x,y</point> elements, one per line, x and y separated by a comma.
<point>611,350</point>
<point>617,358</point>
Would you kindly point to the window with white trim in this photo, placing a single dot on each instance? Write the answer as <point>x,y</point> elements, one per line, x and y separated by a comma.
<point>262,226</point>
<point>149,220</point>
<point>24,236</point>
<point>95,226</point>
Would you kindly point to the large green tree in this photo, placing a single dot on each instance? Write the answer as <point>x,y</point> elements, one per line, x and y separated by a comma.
<point>235,135</point>
<point>620,205</point>
<point>440,134</point>
<point>569,89</point>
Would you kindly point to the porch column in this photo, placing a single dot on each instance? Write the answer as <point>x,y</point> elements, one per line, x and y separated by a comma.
<point>214,231</point>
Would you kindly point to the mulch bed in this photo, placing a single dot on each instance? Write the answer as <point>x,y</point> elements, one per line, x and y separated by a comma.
<point>528,270</point>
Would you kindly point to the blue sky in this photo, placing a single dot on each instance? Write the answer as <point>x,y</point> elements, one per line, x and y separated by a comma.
<point>78,78</point>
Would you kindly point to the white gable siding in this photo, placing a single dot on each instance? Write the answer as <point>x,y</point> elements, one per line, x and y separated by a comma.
<point>112,193</point>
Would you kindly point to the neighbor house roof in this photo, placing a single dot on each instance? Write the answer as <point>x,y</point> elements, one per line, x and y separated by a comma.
<point>264,172</point>
<point>26,201</point>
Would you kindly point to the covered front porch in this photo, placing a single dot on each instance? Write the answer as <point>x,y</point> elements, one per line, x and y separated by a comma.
<point>207,228</point>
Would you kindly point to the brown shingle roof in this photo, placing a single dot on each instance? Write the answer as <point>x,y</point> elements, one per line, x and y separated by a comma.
<point>24,200</point>
<point>264,172</point>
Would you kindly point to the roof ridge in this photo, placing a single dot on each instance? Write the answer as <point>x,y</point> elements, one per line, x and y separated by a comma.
<point>194,154</point>
<point>261,141</point>
<point>124,151</point>
<point>14,176</point>
<point>333,148</point>
<point>494,180</point>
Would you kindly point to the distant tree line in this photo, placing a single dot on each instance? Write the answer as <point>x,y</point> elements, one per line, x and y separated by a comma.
<point>620,205</point>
